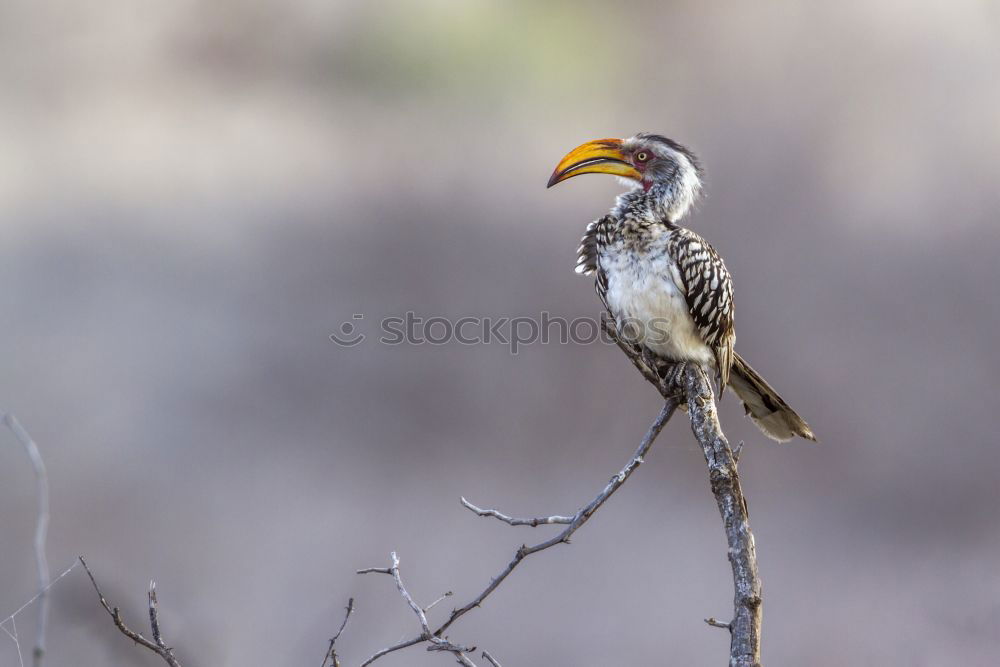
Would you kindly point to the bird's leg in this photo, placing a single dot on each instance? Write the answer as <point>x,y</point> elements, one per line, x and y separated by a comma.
<point>653,363</point>
<point>671,373</point>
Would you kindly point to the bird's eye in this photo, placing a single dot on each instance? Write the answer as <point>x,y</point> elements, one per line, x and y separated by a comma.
<point>641,156</point>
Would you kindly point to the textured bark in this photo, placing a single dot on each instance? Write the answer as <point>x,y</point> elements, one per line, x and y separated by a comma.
<point>690,381</point>
<point>725,481</point>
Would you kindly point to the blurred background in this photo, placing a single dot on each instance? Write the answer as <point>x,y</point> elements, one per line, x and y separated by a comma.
<point>194,195</point>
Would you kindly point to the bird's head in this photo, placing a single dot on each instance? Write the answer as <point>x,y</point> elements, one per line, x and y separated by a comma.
<point>665,176</point>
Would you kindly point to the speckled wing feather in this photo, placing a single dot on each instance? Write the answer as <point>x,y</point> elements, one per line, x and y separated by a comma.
<point>708,290</point>
<point>587,263</point>
<point>598,233</point>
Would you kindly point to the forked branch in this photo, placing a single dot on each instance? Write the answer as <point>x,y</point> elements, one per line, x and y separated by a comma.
<point>678,383</point>
<point>157,645</point>
<point>684,383</point>
<point>573,523</point>
<point>437,643</point>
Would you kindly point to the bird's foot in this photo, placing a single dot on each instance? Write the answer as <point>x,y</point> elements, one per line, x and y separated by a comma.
<point>673,377</point>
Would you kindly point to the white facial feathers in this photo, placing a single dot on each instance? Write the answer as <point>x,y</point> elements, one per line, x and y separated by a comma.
<point>687,186</point>
<point>671,179</point>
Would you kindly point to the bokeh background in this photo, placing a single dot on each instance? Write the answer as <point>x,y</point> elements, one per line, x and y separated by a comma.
<point>194,195</point>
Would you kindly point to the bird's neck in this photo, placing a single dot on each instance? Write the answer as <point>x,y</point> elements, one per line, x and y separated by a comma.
<point>664,202</point>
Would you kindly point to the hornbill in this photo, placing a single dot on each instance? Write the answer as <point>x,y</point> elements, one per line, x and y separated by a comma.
<point>666,288</point>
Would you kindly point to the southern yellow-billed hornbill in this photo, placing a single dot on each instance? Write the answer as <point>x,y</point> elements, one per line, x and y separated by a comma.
<point>665,286</point>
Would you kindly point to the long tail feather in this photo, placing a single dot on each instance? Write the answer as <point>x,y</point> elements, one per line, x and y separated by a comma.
<point>767,409</point>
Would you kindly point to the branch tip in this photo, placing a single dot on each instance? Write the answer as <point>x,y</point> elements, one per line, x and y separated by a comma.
<point>572,523</point>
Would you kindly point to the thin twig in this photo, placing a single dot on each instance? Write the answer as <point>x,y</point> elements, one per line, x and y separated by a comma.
<point>577,520</point>
<point>157,646</point>
<point>434,604</point>
<point>395,647</point>
<point>580,518</point>
<point>436,642</point>
<point>537,521</point>
<point>154,621</point>
<point>41,530</point>
<point>331,652</point>
<point>460,657</point>
<point>421,616</point>
<point>717,624</point>
<point>493,661</point>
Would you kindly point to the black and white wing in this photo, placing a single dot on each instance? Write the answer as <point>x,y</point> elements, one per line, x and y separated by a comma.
<point>708,290</point>
<point>598,234</point>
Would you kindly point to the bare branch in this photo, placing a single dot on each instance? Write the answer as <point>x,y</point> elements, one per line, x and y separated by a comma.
<point>435,603</point>
<point>493,661</point>
<point>696,387</point>
<point>675,382</point>
<point>538,521</point>
<point>347,615</point>
<point>157,646</point>
<point>421,616</point>
<point>154,621</point>
<point>460,657</point>
<point>445,645</point>
<point>436,642</point>
<point>41,530</point>
<point>331,653</point>
<point>575,522</point>
<point>395,647</point>
<point>725,483</point>
<point>580,518</point>
<point>633,352</point>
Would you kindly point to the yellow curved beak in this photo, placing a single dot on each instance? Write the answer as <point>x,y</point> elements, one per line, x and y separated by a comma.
<point>600,156</point>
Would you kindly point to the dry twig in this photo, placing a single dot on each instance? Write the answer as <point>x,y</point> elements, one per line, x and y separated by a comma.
<point>436,642</point>
<point>331,653</point>
<point>435,603</point>
<point>157,646</point>
<point>493,661</point>
<point>575,522</point>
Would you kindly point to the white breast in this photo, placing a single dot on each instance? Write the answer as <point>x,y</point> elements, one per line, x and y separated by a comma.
<point>646,299</point>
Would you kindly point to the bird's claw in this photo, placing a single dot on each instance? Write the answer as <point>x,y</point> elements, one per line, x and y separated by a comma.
<point>652,362</point>
<point>674,375</point>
